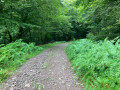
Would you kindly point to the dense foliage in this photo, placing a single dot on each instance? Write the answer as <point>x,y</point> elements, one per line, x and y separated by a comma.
<point>96,63</point>
<point>38,21</point>
<point>13,55</point>
<point>100,17</point>
<point>43,21</point>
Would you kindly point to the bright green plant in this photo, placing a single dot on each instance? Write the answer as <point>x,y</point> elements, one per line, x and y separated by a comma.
<point>13,55</point>
<point>97,64</point>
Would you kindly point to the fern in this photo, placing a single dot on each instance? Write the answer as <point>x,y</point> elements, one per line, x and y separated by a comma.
<point>97,63</point>
<point>13,55</point>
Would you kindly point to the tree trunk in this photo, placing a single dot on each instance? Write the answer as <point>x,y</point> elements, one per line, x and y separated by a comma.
<point>10,37</point>
<point>20,33</point>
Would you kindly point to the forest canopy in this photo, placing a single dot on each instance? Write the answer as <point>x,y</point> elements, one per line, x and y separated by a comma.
<point>36,21</point>
<point>43,21</point>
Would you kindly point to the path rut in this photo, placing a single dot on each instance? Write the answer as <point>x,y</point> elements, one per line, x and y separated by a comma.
<point>49,70</point>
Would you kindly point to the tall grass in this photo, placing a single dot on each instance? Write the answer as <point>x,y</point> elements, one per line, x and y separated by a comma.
<point>97,64</point>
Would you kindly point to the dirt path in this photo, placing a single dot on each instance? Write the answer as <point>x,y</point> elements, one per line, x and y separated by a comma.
<point>49,70</point>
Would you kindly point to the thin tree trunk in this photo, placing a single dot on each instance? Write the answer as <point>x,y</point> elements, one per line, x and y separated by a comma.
<point>10,37</point>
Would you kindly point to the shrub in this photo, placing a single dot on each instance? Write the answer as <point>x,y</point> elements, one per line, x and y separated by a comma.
<point>96,63</point>
<point>13,55</point>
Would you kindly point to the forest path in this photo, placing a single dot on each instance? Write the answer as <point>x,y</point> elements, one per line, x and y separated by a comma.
<point>49,70</point>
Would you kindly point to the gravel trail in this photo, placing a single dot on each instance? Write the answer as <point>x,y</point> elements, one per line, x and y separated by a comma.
<point>49,70</point>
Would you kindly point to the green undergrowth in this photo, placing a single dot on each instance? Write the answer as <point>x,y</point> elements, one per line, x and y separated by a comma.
<point>13,55</point>
<point>97,64</point>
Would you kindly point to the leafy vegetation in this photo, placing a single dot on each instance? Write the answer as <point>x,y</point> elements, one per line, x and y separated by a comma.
<point>96,63</point>
<point>100,18</point>
<point>39,21</point>
<point>43,21</point>
<point>13,55</point>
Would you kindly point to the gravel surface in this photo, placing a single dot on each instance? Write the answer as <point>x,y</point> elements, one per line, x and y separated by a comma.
<point>49,70</point>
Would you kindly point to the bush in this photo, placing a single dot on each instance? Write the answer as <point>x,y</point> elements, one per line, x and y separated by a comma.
<point>96,63</point>
<point>13,55</point>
